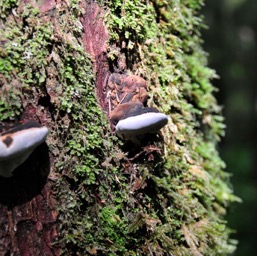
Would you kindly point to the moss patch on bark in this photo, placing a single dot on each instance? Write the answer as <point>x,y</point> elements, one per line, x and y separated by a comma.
<point>166,197</point>
<point>186,189</point>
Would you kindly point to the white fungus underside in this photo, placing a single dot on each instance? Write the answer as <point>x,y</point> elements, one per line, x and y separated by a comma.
<point>22,141</point>
<point>23,144</point>
<point>141,124</point>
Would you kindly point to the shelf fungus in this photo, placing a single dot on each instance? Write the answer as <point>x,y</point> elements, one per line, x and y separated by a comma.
<point>18,143</point>
<point>126,88</point>
<point>127,110</point>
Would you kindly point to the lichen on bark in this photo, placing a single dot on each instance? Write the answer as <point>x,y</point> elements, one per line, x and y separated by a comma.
<point>167,196</point>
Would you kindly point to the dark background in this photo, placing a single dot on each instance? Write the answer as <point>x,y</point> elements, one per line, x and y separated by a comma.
<point>231,43</point>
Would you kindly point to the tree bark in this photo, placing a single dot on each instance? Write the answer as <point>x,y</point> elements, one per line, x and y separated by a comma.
<point>84,191</point>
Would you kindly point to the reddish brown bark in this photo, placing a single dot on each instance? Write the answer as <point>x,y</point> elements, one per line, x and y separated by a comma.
<point>27,209</point>
<point>95,38</point>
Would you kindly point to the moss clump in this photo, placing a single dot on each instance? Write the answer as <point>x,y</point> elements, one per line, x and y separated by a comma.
<point>22,58</point>
<point>187,190</point>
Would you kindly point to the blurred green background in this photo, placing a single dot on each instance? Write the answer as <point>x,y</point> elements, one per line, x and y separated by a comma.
<point>232,46</point>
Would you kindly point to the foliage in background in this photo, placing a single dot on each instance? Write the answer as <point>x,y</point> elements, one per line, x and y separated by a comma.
<point>231,43</point>
<point>171,197</point>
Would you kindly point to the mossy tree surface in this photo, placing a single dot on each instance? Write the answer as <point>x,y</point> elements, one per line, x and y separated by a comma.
<point>168,198</point>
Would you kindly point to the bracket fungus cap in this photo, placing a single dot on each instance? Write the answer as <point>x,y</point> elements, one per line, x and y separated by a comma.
<point>150,122</point>
<point>129,109</point>
<point>132,82</point>
<point>18,143</point>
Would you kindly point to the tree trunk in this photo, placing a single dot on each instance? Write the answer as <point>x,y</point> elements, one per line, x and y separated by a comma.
<point>85,191</point>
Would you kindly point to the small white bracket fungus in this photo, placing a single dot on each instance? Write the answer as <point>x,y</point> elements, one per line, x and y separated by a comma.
<point>150,122</point>
<point>18,143</point>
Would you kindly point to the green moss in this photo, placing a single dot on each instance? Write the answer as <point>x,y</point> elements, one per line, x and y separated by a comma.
<point>22,57</point>
<point>6,6</point>
<point>189,189</point>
